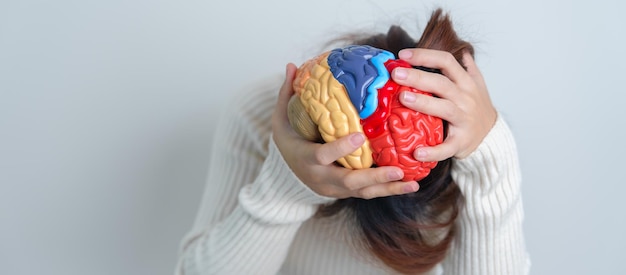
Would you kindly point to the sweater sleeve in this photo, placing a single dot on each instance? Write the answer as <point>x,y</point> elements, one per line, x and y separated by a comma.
<point>253,204</point>
<point>490,237</point>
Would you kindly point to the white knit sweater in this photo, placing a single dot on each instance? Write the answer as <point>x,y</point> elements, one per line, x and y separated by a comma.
<point>256,215</point>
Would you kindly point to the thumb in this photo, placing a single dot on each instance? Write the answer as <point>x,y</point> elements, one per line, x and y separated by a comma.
<point>280,121</point>
<point>286,91</point>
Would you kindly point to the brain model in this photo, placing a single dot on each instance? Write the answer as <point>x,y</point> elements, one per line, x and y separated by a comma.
<point>349,90</point>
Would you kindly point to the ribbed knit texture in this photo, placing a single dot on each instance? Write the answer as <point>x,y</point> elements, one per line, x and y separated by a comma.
<point>256,216</point>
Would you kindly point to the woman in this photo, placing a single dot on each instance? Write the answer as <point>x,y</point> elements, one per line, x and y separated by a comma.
<point>266,184</point>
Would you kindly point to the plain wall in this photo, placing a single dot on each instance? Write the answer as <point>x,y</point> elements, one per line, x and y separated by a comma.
<point>107,110</point>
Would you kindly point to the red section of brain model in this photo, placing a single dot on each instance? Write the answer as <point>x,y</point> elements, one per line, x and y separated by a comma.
<point>394,131</point>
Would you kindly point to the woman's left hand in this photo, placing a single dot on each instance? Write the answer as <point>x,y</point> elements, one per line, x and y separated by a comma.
<point>462,100</point>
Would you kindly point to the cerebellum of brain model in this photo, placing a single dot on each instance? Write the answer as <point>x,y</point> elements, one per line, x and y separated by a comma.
<point>349,90</point>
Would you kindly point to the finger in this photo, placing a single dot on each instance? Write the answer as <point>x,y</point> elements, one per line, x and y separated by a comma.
<point>424,81</point>
<point>328,153</point>
<point>280,119</point>
<point>470,64</point>
<point>439,152</point>
<point>387,189</point>
<point>439,107</point>
<point>472,69</point>
<point>330,188</point>
<point>286,91</point>
<point>358,179</point>
<point>436,59</point>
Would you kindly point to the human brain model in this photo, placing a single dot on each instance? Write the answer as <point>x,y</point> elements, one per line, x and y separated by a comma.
<point>349,90</point>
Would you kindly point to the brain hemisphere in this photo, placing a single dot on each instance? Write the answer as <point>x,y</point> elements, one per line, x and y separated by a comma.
<point>329,107</point>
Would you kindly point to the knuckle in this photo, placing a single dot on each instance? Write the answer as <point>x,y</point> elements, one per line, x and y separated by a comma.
<point>366,193</point>
<point>381,176</point>
<point>320,156</point>
<point>414,76</point>
<point>441,82</point>
<point>449,151</point>
<point>327,188</point>
<point>397,190</point>
<point>449,59</point>
<point>450,112</point>
<point>469,86</point>
<point>423,102</point>
<point>328,192</point>
<point>457,148</point>
<point>439,154</point>
<point>350,182</point>
<point>344,147</point>
<point>457,151</point>
<point>472,104</point>
<point>324,191</point>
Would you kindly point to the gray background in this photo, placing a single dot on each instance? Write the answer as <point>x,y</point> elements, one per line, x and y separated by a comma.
<point>107,110</point>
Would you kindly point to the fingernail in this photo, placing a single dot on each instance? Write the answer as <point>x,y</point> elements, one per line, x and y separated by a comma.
<point>400,73</point>
<point>405,54</point>
<point>395,175</point>
<point>357,139</point>
<point>411,187</point>
<point>409,97</point>
<point>420,153</point>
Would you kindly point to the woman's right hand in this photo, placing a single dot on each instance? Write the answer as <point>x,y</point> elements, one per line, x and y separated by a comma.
<point>314,163</point>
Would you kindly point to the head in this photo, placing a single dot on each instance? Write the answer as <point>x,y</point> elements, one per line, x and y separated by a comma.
<point>410,233</point>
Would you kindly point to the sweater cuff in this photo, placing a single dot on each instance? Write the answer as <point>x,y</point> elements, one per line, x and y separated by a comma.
<point>277,196</point>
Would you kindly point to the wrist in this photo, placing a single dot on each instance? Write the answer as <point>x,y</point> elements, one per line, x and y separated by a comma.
<point>498,144</point>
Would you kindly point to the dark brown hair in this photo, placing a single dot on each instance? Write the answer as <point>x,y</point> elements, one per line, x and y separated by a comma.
<point>411,233</point>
